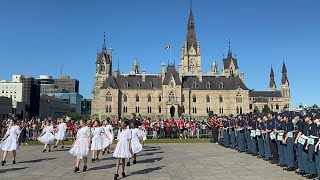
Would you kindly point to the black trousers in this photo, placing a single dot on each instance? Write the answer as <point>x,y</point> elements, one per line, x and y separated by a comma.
<point>274,149</point>
<point>215,134</point>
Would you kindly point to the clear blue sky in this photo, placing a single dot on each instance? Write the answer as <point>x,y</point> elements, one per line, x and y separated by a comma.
<point>42,35</point>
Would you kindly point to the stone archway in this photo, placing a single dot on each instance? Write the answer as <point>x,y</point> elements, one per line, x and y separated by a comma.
<point>172,111</point>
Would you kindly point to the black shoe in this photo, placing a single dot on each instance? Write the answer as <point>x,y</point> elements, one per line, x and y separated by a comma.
<point>260,157</point>
<point>2,163</point>
<point>291,169</point>
<point>92,160</point>
<point>123,175</point>
<point>49,150</point>
<point>301,172</point>
<point>128,163</point>
<point>311,176</point>
<point>134,162</point>
<point>267,159</point>
<point>85,168</point>
<point>103,152</point>
<point>62,147</point>
<point>97,159</point>
<point>14,162</point>
<point>44,151</point>
<point>254,154</point>
<point>76,169</point>
<point>273,162</point>
<point>55,147</point>
<point>116,176</point>
<point>108,152</point>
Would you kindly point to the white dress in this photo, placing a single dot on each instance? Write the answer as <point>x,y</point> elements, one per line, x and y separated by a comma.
<point>135,141</point>
<point>98,142</point>
<point>61,134</point>
<point>81,146</point>
<point>122,148</point>
<point>47,137</point>
<point>10,143</point>
<point>108,130</point>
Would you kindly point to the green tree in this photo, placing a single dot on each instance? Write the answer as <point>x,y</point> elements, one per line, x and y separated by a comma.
<point>265,108</point>
<point>285,107</point>
<point>256,110</point>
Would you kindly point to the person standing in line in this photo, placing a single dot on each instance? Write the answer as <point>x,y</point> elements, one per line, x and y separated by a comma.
<point>123,149</point>
<point>226,137</point>
<point>81,146</point>
<point>232,133</point>
<point>261,136</point>
<point>316,148</point>
<point>271,129</point>
<point>47,137</point>
<point>10,142</point>
<point>240,134</point>
<point>60,133</point>
<point>280,130</point>
<point>254,125</point>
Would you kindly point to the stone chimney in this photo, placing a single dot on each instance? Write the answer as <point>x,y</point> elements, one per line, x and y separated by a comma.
<point>163,71</point>
<point>144,75</point>
<point>242,76</point>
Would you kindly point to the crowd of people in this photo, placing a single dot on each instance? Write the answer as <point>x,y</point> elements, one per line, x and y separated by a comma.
<point>288,140</point>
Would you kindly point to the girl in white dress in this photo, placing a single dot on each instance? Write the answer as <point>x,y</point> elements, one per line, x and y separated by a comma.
<point>47,137</point>
<point>81,146</point>
<point>60,133</point>
<point>108,129</point>
<point>123,148</point>
<point>136,141</point>
<point>10,141</point>
<point>98,143</point>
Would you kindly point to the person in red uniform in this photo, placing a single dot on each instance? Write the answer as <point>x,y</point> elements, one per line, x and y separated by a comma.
<point>215,130</point>
<point>173,127</point>
<point>181,126</point>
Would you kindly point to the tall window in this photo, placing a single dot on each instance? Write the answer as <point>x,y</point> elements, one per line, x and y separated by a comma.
<point>149,109</point>
<point>220,99</point>
<point>240,110</point>
<point>150,85</point>
<point>250,106</point>
<point>194,85</point>
<point>208,109</point>
<point>138,84</point>
<point>239,98</point>
<point>208,85</point>
<point>126,84</point>
<point>149,98</point>
<point>182,98</point>
<point>137,109</point>
<point>194,110</point>
<point>159,109</point>
<point>221,85</point>
<point>194,98</point>
<point>109,97</point>
<point>183,109</point>
<point>109,108</point>
<point>159,98</point>
<point>191,67</point>
<point>237,110</point>
<point>277,106</point>
<point>208,98</point>
<point>137,98</point>
<point>125,98</point>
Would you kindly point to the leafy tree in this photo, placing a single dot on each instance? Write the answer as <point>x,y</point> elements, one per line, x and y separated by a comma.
<point>265,108</point>
<point>256,110</point>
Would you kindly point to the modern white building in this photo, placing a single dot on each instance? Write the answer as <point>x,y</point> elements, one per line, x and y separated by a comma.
<point>12,89</point>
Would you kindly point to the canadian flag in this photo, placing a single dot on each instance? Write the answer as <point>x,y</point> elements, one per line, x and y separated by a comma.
<point>167,47</point>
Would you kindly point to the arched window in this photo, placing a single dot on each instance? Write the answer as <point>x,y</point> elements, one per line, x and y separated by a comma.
<point>182,98</point>
<point>208,98</point>
<point>137,98</point>
<point>138,84</point>
<point>250,106</point>
<point>277,106</point>
<point>126,84</point>
<point>109,97</point>
<point>191,67</point>
<point>149,98</point>
<point>239,98</point>
<point>125,98</point>
<point>240,110</point>
<point>220,99</point>
<point>194,98</point>
<point>159,98</point>
<point>171,97</point>
<point>221,85</point>
<point>159,109</point>
<point>271,106</point>
<point>231,72</point>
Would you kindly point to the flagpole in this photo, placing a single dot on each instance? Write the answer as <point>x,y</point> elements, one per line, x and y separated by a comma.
<point>170,53</point>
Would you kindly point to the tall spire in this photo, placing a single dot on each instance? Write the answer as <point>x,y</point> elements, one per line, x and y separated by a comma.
<point>284,79</point>
<point>104,46</point>
<point>272,83</point>
<point>229,51</point>
<point>191,36</point>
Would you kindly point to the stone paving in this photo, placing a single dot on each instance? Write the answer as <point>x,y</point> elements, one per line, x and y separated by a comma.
<point>160,162</point>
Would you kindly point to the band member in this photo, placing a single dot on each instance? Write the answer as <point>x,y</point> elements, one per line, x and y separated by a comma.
<point>47,137</point>
<point>60,134</point>
<point>10,141</point>
<point>123,149</point>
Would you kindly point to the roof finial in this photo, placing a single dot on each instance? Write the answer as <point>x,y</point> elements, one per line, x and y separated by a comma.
<point>104,41</point>
<point>229,44</point>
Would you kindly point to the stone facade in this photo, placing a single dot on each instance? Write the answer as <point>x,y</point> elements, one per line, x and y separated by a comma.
<point>187,91</point>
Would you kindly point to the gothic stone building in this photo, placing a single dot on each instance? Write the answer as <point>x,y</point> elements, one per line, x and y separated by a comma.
<point>186,91</point>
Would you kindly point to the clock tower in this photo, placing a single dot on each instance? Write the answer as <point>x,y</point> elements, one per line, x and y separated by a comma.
<point>190,57</point>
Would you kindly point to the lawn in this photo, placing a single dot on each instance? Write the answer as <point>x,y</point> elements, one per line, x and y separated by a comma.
<point>151,141</point>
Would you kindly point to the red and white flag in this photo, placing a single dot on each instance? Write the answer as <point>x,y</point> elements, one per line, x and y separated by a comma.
<point>167,47</point>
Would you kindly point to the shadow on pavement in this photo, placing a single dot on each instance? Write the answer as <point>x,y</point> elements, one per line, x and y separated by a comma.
<point>149,160</point>
<point>13,169</point>
<point>37,160</point>
<point>148,170</point>
<point>103,167</point>
<point>151,153</point>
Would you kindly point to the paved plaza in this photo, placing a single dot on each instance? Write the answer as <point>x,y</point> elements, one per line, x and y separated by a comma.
<point>160,161</point>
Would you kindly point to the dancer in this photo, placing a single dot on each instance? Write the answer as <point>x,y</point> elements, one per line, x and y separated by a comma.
<point>123,148</point>
<point>47,137</point>
<point>98,143</point>
<point>60,133</point>
<point>136,141</point>
<point>108,129</point>
<point>81,146</point>
<point>10,141</point>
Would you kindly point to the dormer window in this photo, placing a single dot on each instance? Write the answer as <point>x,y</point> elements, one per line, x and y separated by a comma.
<point>126,84</point>
<point>194,85</point>
<point>150,85</point>
<point>221,85</point>
<point>208,85</point>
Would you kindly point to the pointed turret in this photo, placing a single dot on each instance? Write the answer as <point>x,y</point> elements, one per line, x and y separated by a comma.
<point>214,68</point>
<point>272,83</point>
<point>191,36</point>
<point>135,67</point>
<point>104,60</point>
<point>230,65</point>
